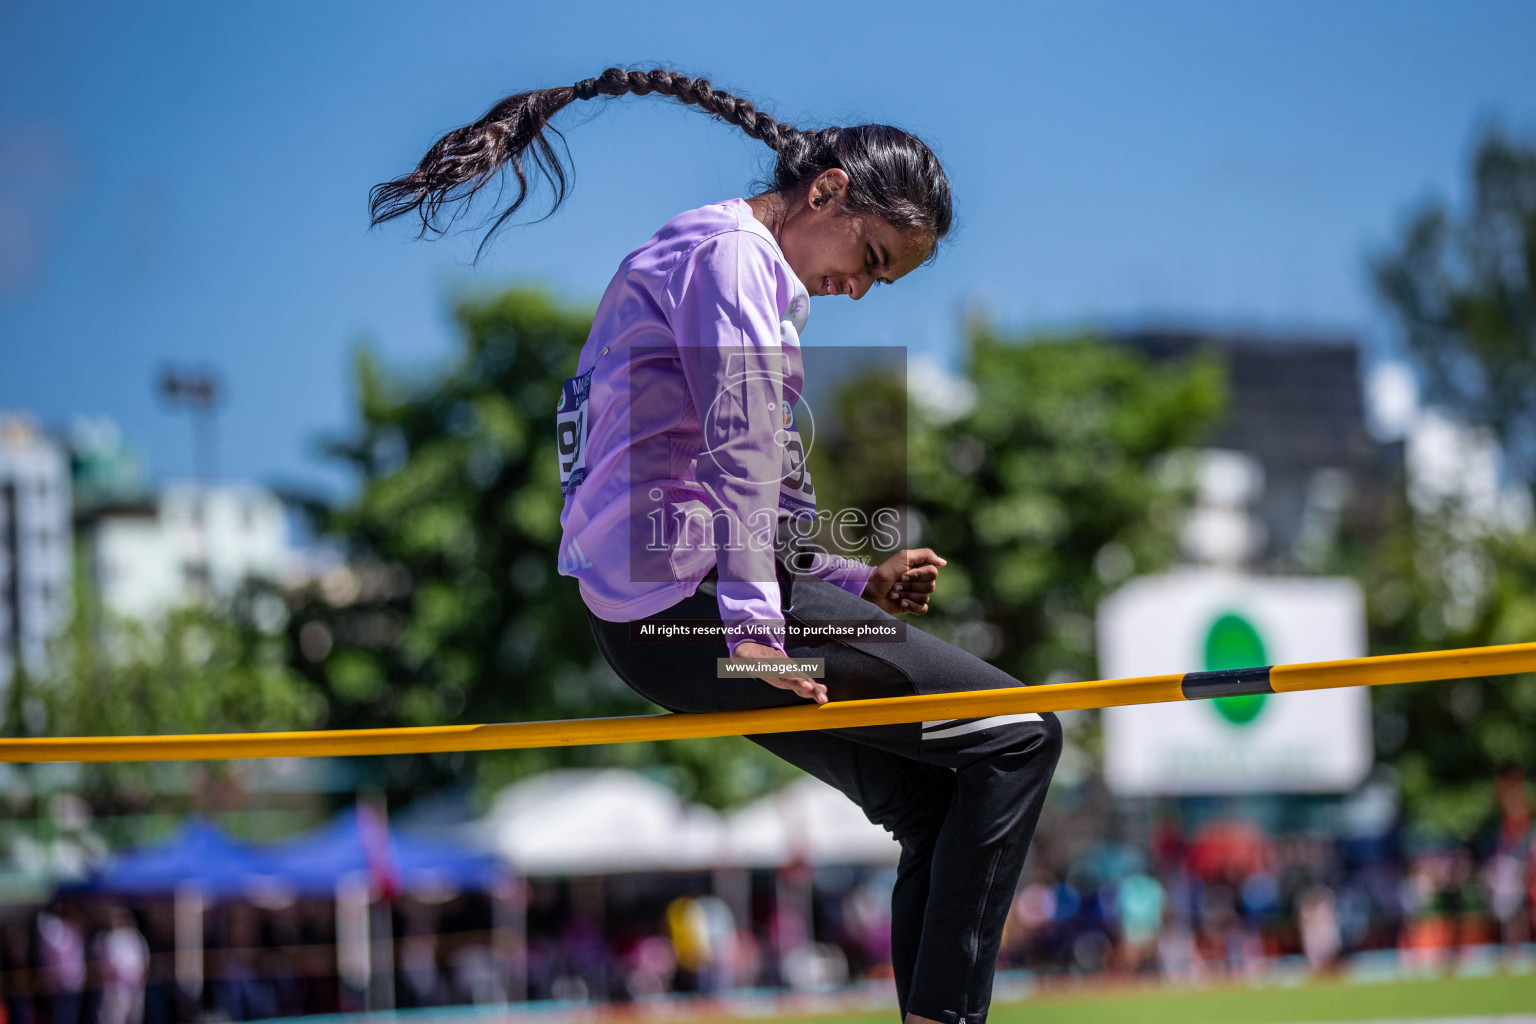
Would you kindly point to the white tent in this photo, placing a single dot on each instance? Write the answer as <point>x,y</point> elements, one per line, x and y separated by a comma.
<point>604,821</point>
<point>807,819</point>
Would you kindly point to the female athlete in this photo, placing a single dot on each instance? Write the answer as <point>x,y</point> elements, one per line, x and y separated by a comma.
<point>684,481</point>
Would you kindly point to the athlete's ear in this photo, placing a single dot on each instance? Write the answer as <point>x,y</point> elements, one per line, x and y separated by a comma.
<point>830,185</point>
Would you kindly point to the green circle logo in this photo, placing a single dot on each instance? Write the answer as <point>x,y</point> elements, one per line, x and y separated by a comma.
<point>1234,643</point>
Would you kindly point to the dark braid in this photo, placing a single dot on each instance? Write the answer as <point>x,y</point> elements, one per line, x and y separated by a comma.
<point>890,172</point>
<point>699,92</point>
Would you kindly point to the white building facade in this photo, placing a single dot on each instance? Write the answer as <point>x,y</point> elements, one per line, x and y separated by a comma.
<point>190,544</point>
<point>35,546</point>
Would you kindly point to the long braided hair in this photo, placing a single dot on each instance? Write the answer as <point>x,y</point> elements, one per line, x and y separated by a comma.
<point>890,172</point>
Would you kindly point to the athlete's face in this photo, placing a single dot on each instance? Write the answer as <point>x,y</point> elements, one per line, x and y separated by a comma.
<point>838,253</point>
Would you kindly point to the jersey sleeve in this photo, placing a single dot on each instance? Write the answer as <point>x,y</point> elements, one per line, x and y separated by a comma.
<point>805,556</point>
<point>849,573</point>
<point>724,312</point>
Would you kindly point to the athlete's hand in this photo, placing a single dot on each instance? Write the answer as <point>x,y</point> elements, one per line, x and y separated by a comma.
<point>904,582</point>
<point>811,689</point>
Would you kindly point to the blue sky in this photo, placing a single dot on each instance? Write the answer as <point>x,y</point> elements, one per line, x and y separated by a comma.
<point>188,183</point>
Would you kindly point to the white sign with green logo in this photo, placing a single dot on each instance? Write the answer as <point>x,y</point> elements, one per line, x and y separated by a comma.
<point>1200,619</point>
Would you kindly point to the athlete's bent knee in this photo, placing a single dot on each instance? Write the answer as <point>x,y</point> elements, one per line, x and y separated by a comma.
<point>1051,742</point>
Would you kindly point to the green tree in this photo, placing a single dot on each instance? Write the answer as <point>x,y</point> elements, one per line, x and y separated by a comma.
<point>1462,288</point>
<point>194,670</point>
<point>454,611</point>
<point>1434,583</point>
<point>1064,477</point>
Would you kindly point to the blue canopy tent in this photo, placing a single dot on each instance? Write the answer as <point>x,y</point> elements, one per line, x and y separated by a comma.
<point>198,854</point>
<point>196,862</point>
<point>352,858</point>
<point>314,863</point>
<point>355,856</point>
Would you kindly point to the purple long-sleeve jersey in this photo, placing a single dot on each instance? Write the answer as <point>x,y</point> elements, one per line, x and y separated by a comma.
<point>678,445</point>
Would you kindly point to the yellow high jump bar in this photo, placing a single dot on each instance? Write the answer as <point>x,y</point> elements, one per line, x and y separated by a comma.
<point>1508,659</point>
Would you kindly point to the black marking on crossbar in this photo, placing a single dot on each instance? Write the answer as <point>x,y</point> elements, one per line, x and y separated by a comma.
<point>1227,682</point>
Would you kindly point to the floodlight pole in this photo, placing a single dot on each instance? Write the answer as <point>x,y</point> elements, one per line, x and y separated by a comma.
<point>201,392</point>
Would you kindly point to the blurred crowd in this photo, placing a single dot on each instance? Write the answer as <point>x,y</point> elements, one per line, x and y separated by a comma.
<point>1231,902</point>
<point>87,958</point>
<point>1224,902</point>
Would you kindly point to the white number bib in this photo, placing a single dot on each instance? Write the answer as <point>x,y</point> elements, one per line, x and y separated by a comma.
<point>571,427</point>
<point>796,494</point>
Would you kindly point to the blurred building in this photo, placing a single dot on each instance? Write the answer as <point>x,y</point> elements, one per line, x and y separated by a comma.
<point>190,543</point>
<point>103,468</point>
<point>1293,463</point>
<point>148,552</point>
<point>34,545</point>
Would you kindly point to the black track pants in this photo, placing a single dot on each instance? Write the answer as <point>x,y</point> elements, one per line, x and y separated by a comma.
<point>962,796</point>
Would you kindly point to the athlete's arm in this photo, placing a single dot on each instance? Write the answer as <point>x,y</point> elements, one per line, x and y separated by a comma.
<point>850,574</point>
<point>723,308</point>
